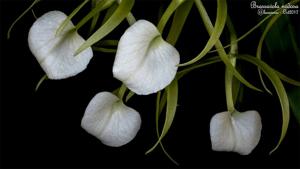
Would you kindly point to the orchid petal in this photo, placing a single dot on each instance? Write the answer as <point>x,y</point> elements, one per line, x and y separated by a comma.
<point>112,122</point>
<point>55,52</point>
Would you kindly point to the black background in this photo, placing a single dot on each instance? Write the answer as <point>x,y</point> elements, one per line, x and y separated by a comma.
<point>42,129</point>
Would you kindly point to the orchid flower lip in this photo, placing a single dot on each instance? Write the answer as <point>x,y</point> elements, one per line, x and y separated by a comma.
<point>237,132</point>
<point>55,52</point>
<point>144,61</point>
<point>110,120</point>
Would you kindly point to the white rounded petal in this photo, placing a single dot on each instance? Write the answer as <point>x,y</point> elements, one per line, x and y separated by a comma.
<point>239,132</point>
<point>55,53</point>
<point>221,132</point>
<point>144,62</point>
<point>112,122</point>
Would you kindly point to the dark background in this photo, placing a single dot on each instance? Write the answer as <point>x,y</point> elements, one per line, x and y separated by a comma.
<point>42,129</point>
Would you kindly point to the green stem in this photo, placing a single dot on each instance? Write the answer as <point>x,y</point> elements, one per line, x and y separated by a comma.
<point>130,19</point>
<point>228,73</point>
<point>122,91</point>
<point>228,90</point>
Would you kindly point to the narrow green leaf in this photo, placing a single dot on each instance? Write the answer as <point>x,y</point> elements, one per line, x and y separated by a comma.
<point>110,12</point>
<point>172,97</point>
<point>167,14</point>
<point>260,45</point>
<point>258,25</point>
<point>279,10</point>
<point>104,50</point>
<point>102,5</point>
<point>283,30</point>
<point>163,102</point>
<point>40,82</point>
<point>274,33</point>
<point>294,97</point>
<point>288,79</point>
<point>233,37</point>
<point>247,33</point>
<point>280,90</point>
<point>13,24</point>
<point>216,31</point>
<point>130,18</point>
<point>107,43</point>
<point>206,62</point>
<point>209,27</point>
<point>106,46</point>
<point>34,15</point>
<point>294,43</point>
<point>96,17</point>
<point>68,19</point>
<point>157,114</point>
<point>118,16</point>
<point>264,34</point>
<point>178,21</point>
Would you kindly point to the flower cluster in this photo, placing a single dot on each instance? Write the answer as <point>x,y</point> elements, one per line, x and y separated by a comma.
<point>146,63</point>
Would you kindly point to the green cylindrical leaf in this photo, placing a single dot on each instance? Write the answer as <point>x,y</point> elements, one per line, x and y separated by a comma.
<point>178,21</point>
<point>209,27</point>
<point>215,32</point>
<point>13,24</point>
<point>167,14</point>
<point>68,19</point>
<point>172,97</point>
<point>280,90</point>
<point>95,11</point>
<point>118,16</point>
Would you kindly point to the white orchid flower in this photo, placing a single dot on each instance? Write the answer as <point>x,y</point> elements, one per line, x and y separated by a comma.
<point>144,62</point>
<point>56,52</point>
<point>238,132</point>
<point>110,120</point>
